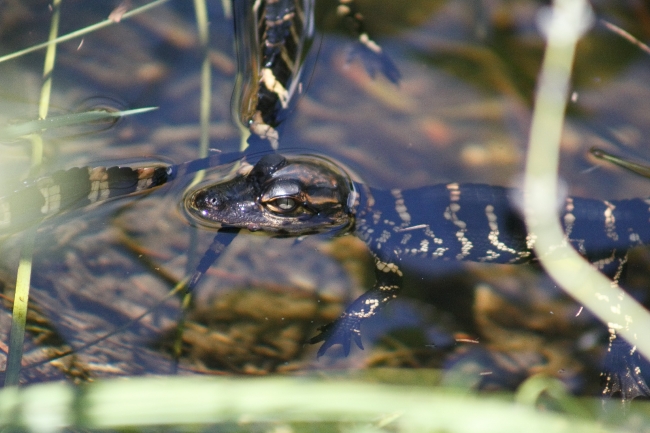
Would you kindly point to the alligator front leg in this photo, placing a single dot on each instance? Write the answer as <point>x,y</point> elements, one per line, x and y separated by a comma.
<point>347,327</point>
<point>624,369</point>
<point>221,241</point>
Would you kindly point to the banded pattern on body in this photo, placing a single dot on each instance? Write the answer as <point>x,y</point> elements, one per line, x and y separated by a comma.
<point>478,223</point>
<point>295,196</point>
<point>482,223</point>
<point>470,222</point>
<point>272,39</point>
<point>75,188</point>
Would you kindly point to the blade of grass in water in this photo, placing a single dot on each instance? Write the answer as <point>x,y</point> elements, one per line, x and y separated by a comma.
<point>622,314</point>
<point>23,277</point>
<point>255,402</point>
<point>641,170</point>
<point>201,11</point>
<point>19,317</point>
<point>81,32</point>
<point>36,126</point>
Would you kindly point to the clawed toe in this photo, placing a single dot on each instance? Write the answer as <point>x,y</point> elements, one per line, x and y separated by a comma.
<point>342,331</point>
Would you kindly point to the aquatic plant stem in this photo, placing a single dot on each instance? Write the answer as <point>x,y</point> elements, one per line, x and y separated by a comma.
<point>14,131</point>
<point>81,32</point>
<point>23,276</point>
<point>19,318</point>
<point>162,403</point>
<point>206,83</point>
<point>201,11</point>
<point>622,314</point>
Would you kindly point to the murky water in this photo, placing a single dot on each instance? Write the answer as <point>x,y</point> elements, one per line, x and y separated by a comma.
<point>460,113</point>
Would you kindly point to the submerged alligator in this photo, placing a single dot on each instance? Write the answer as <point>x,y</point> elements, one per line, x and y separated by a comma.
<point>292,196</point>
<point>272,39</point>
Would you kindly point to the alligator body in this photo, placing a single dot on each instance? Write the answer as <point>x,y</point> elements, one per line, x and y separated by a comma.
<point>305,194</point>
<point>295,196</point>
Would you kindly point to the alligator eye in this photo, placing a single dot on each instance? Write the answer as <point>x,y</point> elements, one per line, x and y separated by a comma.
<point>282,205</point>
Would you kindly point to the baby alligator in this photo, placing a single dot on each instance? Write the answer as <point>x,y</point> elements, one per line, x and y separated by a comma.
<point>299,195</point>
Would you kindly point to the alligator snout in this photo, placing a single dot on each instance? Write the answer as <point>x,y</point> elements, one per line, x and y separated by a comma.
<point>206,199</point>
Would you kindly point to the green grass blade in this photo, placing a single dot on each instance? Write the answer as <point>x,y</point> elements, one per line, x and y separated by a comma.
<point>641,170</point>
<point>201,11</point>
<point>23,277</point>
<point>19,318</point>
<point>621,313</point>
<point>38,126</point>
<point>81,32</point>
<point>157,402</point>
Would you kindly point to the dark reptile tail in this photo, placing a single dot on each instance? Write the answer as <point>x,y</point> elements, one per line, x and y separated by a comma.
<point>75,188</point>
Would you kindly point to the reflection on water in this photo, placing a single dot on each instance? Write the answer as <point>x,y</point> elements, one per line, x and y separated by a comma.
<point>460,113</point>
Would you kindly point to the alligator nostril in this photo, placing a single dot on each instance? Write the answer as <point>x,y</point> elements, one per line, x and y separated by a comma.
<point>204,199</point>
